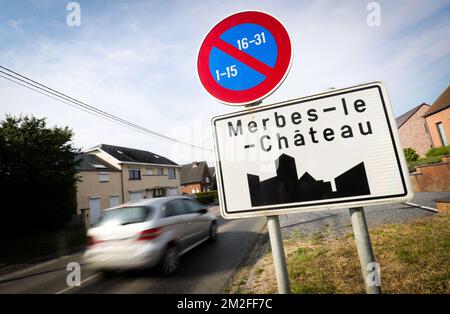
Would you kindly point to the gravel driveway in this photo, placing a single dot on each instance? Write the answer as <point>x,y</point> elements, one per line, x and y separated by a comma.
<point>333,223</point>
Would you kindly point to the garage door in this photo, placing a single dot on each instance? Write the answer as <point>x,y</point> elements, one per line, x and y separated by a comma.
<point>135,196</point>
<point>172,192</point>
<point>95,210</point>
<point>114,201</point>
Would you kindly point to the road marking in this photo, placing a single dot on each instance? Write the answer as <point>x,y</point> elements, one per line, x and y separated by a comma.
<point>81,283</point>
<point>431,209</point>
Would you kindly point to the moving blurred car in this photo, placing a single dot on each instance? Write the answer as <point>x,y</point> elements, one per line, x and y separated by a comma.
<point>149,233</point>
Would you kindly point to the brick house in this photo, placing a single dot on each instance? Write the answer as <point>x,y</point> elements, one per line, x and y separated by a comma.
<point>413,129</point>
<point>195,177</point>
<point>438,119</point>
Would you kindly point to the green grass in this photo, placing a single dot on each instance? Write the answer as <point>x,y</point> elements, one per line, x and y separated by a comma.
<point>38,245</point>
<point>414,258</point>
<point>439,151</point>
<point>259,271</point>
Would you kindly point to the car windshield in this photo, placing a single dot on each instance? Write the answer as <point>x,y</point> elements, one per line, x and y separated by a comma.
<point>126,215</point>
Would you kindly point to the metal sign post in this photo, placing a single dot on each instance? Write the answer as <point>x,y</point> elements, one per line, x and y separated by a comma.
<point>364,247</point>
<point>279,260</point>
<point>276,244</point>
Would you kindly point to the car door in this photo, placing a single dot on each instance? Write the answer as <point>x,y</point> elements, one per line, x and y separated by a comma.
<point>179,220</point>
<point>200,224</point>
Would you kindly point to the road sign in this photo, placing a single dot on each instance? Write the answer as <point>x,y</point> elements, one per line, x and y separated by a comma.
<point>244,58</point>
<point>331,150</point>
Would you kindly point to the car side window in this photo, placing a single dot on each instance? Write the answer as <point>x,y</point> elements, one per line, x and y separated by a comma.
<point>193,205</point>
<point>175,208</point>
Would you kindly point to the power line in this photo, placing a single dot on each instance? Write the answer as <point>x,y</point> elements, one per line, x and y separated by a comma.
<point>56,95</point>
<point>67,103</point>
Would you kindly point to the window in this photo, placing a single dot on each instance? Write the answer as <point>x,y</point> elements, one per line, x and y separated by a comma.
<point>127,215</point>
<point>172,174</point>
<point>207,180</point>
<point>193,205</point>
<point>160,171</point>
<point>149,171</point>
<point>104,177</point>
<point>442,134</point>
<point>134,174</point>
<point>175,208</point>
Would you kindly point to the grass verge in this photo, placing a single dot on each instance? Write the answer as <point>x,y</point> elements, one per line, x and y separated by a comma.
<point>414,258</point>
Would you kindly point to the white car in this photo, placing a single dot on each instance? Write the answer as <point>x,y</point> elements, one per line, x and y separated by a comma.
<point>149,233</point>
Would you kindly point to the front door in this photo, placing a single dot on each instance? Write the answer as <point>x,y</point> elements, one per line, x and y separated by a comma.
<point>135,196</point>
<point>114,201</point>
<point>95,210</point>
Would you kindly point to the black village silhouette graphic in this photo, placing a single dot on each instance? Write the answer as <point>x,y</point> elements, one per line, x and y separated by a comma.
<point>286,187</point>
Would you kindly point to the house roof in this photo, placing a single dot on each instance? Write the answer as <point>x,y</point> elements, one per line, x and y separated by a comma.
<point>405,117</point>
<point>212,171</point>
<point>125,154</point>
<point>440,104</point>
<point>192,172</point>
<point>89,162</point>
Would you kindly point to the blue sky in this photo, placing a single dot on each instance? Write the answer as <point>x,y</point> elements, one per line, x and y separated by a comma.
<point>137,60</point>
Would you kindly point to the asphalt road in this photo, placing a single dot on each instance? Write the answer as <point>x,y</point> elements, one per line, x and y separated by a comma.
<point>205,269</point>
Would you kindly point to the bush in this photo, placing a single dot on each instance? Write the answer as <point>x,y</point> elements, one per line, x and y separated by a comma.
<point>439,151</point>
<point>423,162</point>
<point>410,154</point>
<point>206,197</point>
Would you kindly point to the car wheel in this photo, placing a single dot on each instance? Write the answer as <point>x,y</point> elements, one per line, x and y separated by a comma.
<point>171,260</point>
<point>213,232</point>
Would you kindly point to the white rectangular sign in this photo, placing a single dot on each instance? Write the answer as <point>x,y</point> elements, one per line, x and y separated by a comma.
<point>331,150</point>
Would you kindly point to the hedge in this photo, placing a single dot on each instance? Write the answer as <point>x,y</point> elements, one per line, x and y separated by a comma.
<point>439,151</point>
<point>422,162</point>
<point>206,197</point>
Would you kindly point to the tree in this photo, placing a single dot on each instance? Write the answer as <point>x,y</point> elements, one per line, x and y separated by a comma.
<point>37,175</point>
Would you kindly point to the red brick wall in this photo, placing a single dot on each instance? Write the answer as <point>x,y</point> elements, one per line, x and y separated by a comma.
<point>414,134</point>
<point>190,188</point>
<point>432,178</point>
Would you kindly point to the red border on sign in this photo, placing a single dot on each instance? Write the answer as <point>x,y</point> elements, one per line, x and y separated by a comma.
<point>270,83</point>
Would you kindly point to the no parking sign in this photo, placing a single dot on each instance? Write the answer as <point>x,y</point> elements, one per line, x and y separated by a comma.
<point>244,58</point>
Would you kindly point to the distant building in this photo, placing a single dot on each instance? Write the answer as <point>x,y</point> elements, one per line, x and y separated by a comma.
<point>438,119</point>
<point>413,129</point>
<point>212,171</point>
<point>112,175</point>
<point>196,177</point>
<point>99,186</point>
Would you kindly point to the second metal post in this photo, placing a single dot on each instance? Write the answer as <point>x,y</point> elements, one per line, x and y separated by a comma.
<point>279,260</point>
<point>370,269</point>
